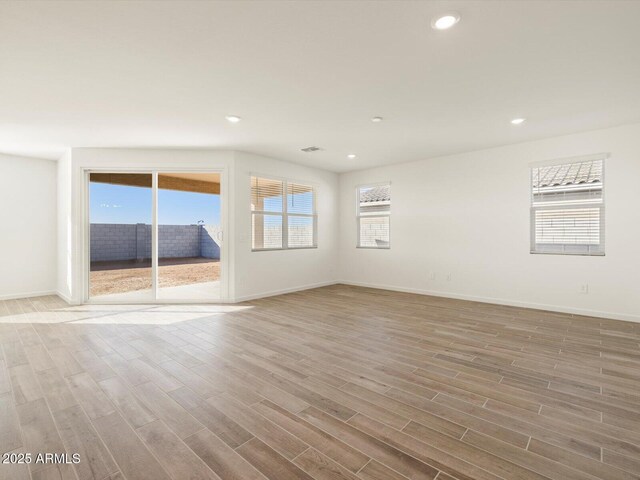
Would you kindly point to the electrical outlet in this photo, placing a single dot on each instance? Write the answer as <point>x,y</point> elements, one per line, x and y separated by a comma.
<point>448,277</point>
<point>432,275</point>
<point>584,288</point>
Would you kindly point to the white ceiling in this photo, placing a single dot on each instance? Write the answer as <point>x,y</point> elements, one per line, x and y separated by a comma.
<point>142,74</point>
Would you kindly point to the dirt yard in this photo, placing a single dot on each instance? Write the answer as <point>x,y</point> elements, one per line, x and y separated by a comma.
<point>129,276</point>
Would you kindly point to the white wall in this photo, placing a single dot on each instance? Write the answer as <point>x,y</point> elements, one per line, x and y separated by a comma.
<point>270,272</point>
<point>65,227</point>
<point>72,268</point>
<point>468,215</point>
<point>249,274</point>
<point>27,227</point>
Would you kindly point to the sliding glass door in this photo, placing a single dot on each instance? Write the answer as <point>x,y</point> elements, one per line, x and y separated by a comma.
<point>154,236</point>
<point>120,215</point>
<point>189,236</point>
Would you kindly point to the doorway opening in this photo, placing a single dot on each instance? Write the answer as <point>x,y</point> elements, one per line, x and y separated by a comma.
<point>154,236</point>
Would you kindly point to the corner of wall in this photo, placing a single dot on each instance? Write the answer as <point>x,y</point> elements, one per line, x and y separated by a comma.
<point>467,236</point>
<point>64,227</point>
<point>259,274</point>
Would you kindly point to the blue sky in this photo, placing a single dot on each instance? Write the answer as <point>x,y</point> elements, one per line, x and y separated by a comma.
<point>124,204</point>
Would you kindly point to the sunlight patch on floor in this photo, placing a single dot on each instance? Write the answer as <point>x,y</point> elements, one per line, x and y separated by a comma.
<point>123,314</point>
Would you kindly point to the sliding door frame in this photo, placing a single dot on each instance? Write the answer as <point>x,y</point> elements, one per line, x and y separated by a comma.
<point>86,233</point>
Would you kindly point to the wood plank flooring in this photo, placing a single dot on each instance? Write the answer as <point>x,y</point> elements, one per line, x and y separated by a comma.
<point>333,383</point>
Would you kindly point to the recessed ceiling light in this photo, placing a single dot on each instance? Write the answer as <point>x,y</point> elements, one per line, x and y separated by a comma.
<point>445,21</point>
<point>351,156</point>
<point>518,121</point>
<point>233,118</point>
<point>376,119</point>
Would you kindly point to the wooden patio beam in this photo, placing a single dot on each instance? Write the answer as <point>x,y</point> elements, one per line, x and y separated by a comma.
<point>166,182</point>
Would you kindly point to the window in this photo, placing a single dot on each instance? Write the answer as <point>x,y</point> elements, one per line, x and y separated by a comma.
<point>567,207</point>
<point>374,213</point>
<point>283,214</point>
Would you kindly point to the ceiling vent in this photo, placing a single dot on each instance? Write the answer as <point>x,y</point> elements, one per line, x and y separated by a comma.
<point>310,149</point>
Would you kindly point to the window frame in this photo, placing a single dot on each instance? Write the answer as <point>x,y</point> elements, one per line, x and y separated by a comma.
<point>285,213</point>
<point>383,215</point>
<point>585,204</point>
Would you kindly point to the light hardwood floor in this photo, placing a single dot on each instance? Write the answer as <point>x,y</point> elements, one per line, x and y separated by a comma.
<point>334,383</point>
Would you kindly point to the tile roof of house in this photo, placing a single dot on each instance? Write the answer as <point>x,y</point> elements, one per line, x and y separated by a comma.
<point>381,193</point>
<point>568,174</point>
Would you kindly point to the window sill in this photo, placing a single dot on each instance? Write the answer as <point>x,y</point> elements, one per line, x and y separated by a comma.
<point>282,249</point>
<point>599,254</point>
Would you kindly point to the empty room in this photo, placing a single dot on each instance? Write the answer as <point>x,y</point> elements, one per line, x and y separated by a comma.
<point>320,240</point>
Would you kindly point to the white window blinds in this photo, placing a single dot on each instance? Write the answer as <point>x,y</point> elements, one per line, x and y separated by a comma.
<point>300,215</point>
<point>567,207</point>
<point>282,214</point>
<point>374,215</point>
<point>266,213</point>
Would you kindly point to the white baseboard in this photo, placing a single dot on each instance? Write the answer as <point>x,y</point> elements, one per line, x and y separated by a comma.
<point>65,298</point>
<point>14,296</point>
<point>474,298</point>
<point>501,301</point>
<point>273,293</point>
